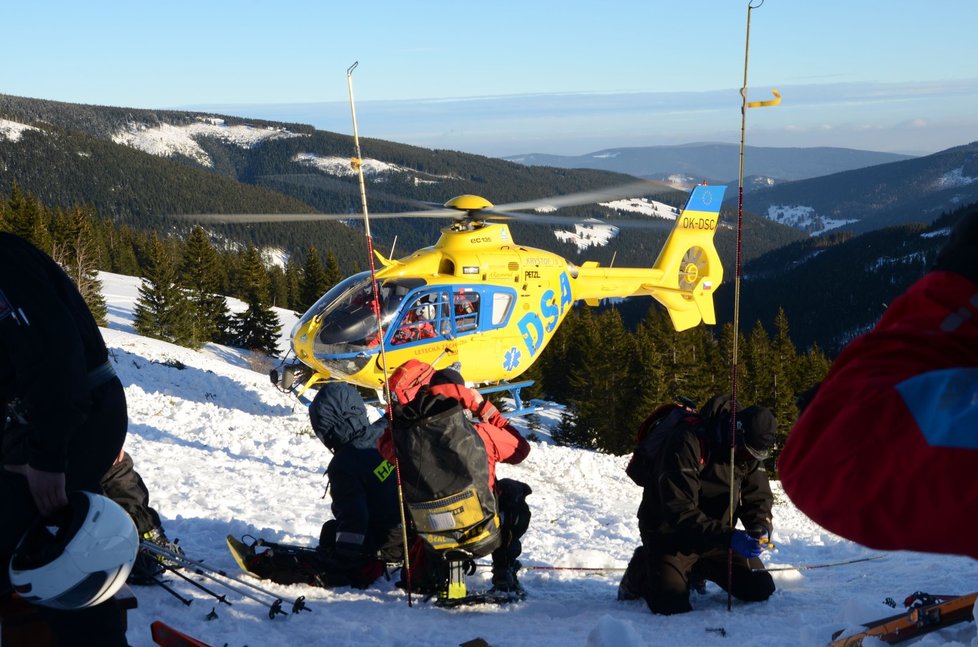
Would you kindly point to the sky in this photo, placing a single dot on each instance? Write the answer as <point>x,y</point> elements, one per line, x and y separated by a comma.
<point>222,451</point>
<point>514,77</point>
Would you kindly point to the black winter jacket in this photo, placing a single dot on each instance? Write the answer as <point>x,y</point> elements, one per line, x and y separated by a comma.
<point>686,507</point>
<point>49,342</point>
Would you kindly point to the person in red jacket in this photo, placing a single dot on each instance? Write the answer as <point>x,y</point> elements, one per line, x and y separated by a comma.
<point>503,444</point>
<point>886,451</point>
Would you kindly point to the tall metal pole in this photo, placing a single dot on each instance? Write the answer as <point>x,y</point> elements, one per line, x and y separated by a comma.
<point>357,164</point>
<point>734,356</point>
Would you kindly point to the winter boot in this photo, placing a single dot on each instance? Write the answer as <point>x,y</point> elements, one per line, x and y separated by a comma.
<point>158,537</point>
<point>635,579</point>
<point>504,579</point>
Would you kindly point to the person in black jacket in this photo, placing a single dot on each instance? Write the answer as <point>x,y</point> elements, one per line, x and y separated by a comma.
<point>64,413</point>
<point>365,531</point>
<point>684,517</point>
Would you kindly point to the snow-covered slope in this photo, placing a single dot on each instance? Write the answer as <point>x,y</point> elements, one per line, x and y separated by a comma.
<point>223,452</point>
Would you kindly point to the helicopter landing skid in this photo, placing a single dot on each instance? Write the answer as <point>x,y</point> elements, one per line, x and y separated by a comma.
<point>519,407</point>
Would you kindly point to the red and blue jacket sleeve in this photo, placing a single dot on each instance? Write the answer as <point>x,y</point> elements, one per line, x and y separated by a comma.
<point>886,452</point>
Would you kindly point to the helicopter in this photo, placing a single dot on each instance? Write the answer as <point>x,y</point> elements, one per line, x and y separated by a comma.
<point>479,300</point>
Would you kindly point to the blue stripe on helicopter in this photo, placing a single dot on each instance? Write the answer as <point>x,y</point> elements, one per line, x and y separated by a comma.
<point>706,198</point>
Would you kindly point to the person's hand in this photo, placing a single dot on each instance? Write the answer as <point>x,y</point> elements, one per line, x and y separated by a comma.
<point>48,490</point>
<point>745,545</point>
<point>476,396</point>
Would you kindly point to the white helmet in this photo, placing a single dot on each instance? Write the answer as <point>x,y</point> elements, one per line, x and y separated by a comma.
<point>81,559</point>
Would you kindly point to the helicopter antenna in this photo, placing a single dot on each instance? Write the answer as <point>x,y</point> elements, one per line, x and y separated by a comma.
<point>357,164</point>
<point>391,255</point>
<point>736,313</point>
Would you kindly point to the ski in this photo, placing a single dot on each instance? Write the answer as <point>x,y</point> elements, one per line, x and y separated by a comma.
<point>166,636</point>
<point>240,552</point>
<point>484,597</point>
<point>925,613</point>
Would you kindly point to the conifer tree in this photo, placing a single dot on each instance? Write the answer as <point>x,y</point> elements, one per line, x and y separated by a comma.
<point>201,274</point>
<point>784,368</point>
<point>257,328</point>
<point>29,219</point>
<point>293,279</point>
<point>758,383</point>
<point>74,246</point>
<point>314,282</point>
<point>333,273</point>
<point>162,310</point>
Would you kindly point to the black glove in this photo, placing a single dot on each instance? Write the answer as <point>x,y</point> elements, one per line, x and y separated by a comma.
<point>960,253</point>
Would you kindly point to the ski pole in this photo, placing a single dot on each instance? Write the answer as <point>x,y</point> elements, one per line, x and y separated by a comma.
<point>206,571</point>
<point>809,567</point>
<point>214,594</point>
<point>169,589</point>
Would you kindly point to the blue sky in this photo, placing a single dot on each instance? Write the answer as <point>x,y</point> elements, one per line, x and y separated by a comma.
<point>505,78</point>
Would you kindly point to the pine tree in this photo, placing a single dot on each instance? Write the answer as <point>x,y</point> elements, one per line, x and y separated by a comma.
<point>784,367</point>
<point>75,248</point>
<point>293,281</point>
<point>257,328</point>
<point>162,310</point>
<point>314,282</point>
<point>333,273</point>
<point>201,274</point>
<point>29,219</point>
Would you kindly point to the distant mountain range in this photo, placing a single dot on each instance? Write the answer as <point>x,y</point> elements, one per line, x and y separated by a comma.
<point>142,166</point>
<point>717,163</point>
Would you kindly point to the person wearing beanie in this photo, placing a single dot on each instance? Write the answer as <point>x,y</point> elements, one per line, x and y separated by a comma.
<point>885,452</point>
<point>423,392</point>
<point>364,533</point>
<point>683,463</point>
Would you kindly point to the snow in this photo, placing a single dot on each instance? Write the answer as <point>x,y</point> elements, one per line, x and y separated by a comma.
<point>13,130</point>
<point>167,140</point>
<point>954,178</point>
<point>804,218</point>
<point>223,452</point>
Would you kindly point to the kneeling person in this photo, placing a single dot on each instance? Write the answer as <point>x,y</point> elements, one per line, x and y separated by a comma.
<point>365,532</point>
<point>685,511</point>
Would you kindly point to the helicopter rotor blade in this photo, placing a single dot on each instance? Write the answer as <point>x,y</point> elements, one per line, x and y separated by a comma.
<point>553,220</point>
<point>251,218</point>
<point>630,190</point>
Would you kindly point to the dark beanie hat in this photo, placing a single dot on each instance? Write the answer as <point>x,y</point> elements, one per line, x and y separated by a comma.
<point>447,376</point>
<point>960,252</point>
<point>759,430</point>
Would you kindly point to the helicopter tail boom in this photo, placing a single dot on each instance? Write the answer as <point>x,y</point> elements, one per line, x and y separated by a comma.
<point>685,274</point>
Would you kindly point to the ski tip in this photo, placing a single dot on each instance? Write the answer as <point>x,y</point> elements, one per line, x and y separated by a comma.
<point>166,636</point>
<point>239,550</point>
<point>475,642</point>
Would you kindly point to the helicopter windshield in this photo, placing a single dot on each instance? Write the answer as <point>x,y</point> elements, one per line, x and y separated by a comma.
<point>347,321</point>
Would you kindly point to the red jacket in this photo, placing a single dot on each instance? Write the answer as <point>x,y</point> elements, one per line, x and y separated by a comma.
<point>504,444</point>
<point>887,451</point>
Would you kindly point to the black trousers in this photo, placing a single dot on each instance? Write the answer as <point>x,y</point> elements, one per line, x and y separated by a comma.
<point>90,454</point>
<point>663,579</point>
<point>514,520</point>
<point>123,484</point>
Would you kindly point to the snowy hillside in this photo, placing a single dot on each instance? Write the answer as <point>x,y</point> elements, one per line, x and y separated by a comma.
<point>223,452</point>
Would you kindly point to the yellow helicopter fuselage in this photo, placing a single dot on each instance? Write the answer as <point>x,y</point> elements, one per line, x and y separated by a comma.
<point>480,299</point>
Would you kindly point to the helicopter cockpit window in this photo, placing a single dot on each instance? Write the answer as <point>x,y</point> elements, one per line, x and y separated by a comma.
<point>426,317</point>
<point>348,322</point>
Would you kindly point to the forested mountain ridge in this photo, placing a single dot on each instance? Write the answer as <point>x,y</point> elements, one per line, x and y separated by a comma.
<point>263,164</point>
<point>916,190</point>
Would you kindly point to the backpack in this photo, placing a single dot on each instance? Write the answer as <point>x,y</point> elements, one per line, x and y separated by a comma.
<point>445,475</point>
<point>652,435</point>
